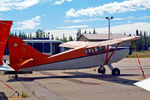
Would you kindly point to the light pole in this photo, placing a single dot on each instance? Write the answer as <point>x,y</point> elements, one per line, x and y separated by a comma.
<point>109,18</point>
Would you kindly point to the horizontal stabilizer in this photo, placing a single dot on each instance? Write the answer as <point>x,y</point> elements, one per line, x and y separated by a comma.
<point>6,67</point>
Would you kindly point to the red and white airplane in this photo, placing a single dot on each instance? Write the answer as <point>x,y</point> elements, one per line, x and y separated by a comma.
<point>82,55</point>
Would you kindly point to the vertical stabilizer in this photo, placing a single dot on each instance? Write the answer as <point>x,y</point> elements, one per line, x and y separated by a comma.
<point>4,33</point>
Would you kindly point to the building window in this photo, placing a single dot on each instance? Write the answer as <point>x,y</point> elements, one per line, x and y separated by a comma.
<point>30,44</point>
<point>38,46</point>
<point>47,47</point>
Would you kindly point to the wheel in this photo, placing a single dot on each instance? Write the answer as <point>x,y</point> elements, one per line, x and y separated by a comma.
<point>101,69</point>
<point>16,76</point>
<point>115,71</point>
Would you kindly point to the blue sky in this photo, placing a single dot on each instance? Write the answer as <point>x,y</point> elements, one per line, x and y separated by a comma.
<point>66,16</point>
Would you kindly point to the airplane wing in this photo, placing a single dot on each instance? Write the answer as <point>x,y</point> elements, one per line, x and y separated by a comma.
<point>77,44</point>
<point>145,84</point>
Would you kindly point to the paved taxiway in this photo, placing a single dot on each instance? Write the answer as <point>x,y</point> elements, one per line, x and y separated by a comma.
<point>84,84</point>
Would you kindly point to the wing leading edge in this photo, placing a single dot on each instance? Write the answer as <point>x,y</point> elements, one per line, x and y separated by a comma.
<point>78,44</point>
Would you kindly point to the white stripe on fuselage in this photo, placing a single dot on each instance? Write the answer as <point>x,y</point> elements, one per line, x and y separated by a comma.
<point>83,62</point>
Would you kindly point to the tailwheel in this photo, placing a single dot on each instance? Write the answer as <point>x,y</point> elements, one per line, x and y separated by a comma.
<point>101,69</point>
<point>16,76</point>
<point>116,71</point>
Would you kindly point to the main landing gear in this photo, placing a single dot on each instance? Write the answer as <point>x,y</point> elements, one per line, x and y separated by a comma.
<point>101,70</point>
<point>114,71</point>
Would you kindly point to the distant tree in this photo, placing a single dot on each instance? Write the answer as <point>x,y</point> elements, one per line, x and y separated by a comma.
<point>15,33</point>
<point>124,34</point>
<point>70,38</point>
<point>11,34</point>
<point>48,35</point>
<point>57,38</point>
<point>30,35</point>
<point>89,32</point>
<point>85,32</point>
<point>94,32</point>
<point>145,40</point>
<point>39,33</point>
<point>52,37</point>
<point>137,32</point>
<point>64,39</point>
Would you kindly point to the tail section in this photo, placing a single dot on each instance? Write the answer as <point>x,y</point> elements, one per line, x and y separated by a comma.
<point>23,55</point>
<point>5,27</point>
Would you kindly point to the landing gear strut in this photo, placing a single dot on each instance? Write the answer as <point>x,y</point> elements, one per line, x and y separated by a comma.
<point>101,69</point>
<point>114,71</point>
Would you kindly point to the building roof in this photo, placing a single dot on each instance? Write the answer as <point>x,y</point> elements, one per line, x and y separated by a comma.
<point>101,36</point>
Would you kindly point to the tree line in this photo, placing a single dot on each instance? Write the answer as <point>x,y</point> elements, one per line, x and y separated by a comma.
<point>143,43</point>
<point>40,34</point>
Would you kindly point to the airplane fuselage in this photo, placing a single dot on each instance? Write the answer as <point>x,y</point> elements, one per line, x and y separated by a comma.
<point>79,59</point>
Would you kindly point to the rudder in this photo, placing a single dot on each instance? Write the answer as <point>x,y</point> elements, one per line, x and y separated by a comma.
<point>5,27</point>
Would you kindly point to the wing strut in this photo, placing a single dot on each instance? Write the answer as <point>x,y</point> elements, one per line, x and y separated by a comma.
<point>108,58</point>
<point>143,75</point>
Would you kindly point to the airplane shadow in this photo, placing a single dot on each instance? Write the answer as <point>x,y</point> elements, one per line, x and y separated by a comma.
<point>73,75</point>
<point>106,77</point>
<point>3,96</point>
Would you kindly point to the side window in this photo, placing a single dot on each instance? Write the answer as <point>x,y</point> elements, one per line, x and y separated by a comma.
<point>97,49</point>
<point>89,51</point>
<point>92,51</point>
<point>86,51</point>
<point>101,48</point>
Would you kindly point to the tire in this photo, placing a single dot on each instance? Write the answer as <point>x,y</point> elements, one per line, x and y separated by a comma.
<point>101,70</point>
<point>116,71</point>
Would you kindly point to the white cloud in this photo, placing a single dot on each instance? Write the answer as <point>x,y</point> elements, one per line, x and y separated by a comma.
<point>114,7</point>
<point>127,28</point>
<point>61,2</point>
<point>83,20</point>
<point>118,19</point>
<point>29,24</point>
<point>73,27</point>
<point>59,33</point>
<point>6,5</point>
<point>144,17</point>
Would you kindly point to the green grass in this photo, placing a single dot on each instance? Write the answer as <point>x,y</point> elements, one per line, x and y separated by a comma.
<point>24,95</point>
<point>141,54</point>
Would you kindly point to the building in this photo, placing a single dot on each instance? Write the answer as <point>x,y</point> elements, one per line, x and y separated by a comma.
<point>49,47</point>
<point>45,46</point>
<point>98,37</point>
<point>102,37</point>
